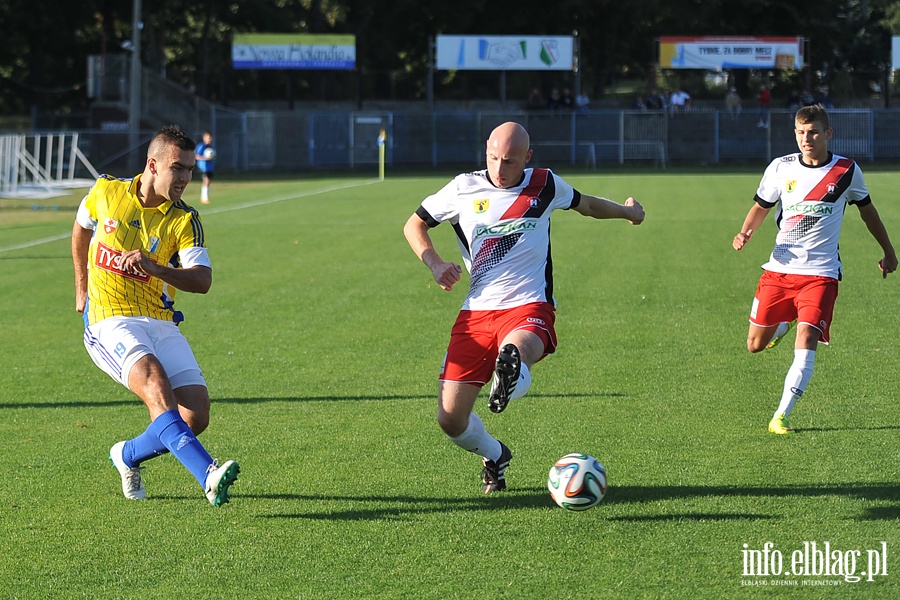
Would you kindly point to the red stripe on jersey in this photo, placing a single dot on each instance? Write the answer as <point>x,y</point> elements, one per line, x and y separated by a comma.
<point>522,204</point>
<point>830,182</point>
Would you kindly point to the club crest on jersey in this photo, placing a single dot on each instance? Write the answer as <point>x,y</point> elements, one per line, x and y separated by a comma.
<point>790,185</point>
<point>154,244</point>
<point>481,205</point>
<point>109,225</point>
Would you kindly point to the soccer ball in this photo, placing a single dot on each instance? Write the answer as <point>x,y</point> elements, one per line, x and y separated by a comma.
<point>209,154</point>
<point>577,482</point>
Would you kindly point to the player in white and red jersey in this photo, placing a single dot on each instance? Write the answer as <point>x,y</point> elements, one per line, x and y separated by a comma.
<point>501,217</point>
<point>133,243</point>
<point>799,284</point>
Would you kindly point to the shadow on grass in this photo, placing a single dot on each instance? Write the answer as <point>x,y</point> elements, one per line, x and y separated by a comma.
<point>531,498</point>
<point>134,401</point>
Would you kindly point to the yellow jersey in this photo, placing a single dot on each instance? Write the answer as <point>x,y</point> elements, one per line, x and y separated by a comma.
<point>120,224</point>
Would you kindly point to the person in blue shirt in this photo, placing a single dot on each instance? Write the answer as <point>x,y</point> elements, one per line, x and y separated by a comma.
<point>206,164</point>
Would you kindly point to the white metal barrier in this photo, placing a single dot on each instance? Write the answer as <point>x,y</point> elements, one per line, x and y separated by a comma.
<point>41,165</point>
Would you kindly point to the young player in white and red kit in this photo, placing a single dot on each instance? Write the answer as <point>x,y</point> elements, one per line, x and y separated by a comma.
<point>811,189</point>
<point>501,217</point>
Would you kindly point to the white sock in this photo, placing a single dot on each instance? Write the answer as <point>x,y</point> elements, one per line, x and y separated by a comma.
<point>204,192</point>
<point>797,379</point>
<point>477,440</point>
<point>523,383</point>
<point>781,330</point>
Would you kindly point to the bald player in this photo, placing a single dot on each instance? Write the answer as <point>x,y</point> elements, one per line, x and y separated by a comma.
<point>501,216</point>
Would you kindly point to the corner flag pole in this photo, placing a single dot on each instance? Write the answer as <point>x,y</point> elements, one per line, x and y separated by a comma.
<point>382,138</point>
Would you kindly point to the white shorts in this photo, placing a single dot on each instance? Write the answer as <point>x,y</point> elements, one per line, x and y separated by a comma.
<point>115,344</point>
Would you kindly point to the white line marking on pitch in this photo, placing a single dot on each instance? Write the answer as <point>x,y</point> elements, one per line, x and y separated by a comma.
<point>333,188</point>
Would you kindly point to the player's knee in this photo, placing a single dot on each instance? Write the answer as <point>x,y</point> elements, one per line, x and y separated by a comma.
<point>451,424</point>
<point>754,345</point>
<point>197,421</point>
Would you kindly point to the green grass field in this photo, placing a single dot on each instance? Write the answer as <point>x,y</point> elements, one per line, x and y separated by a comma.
<point>321,340</point>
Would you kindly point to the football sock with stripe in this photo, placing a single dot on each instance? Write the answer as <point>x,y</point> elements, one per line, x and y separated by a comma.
<point>175,434</point>
<point>797,379</point>
<point>477,440</point>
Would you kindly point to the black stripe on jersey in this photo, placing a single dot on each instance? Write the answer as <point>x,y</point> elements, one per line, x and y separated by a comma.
<point>763,203</point>
<point>545,195</point>
<point>576,199</point>
<point>196,226</point>
<point>461,236</point>
<point>548,272</point>
<point>425,216</point>
<point>862,201</point>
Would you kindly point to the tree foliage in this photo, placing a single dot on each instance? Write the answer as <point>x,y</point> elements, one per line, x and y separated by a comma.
<point>43,60</point>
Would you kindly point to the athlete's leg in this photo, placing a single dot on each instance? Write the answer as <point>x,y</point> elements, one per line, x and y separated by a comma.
<point>462,426</point>
<point>759,337</point>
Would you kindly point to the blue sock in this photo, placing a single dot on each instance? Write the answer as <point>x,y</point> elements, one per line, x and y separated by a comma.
<point>175,434</point>
<point>143,447</point>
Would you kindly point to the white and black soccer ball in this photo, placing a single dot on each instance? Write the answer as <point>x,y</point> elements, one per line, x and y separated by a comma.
<point>577,482</point>
<point>209,153</point>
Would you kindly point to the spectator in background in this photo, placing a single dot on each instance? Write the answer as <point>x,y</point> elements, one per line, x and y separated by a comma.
<point>655,101</point>
<point>567,101</point>
<point>806,98</point>
<point>764,99</point>
<point>793,102</point>
<point>639,104</point>
<point>825,97</point>
<point>679,102</point>
<point>536,100</point>
<point>733,103</point>
<point>582,102</point>
<point>555,102</point>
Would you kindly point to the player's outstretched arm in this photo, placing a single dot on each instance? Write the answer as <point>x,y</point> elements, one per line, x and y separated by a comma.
<point>876,227</point>
<point>445,274</point>
<point>601,208</point>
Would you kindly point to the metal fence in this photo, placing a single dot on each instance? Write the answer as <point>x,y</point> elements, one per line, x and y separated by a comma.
<point>311,140</point>
<point>337,140</point>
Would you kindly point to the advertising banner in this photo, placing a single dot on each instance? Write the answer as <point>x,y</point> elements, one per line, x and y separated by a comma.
<point>505,53</point>
<point>895,52</point>
<point>715,53</point>
<point>293,51</point>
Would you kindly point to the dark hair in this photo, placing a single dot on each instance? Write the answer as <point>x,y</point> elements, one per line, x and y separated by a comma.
<point>170,135</point>
<point>814,113</point>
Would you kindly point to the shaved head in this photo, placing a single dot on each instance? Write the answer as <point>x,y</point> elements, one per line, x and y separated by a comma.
<point>508,151</point>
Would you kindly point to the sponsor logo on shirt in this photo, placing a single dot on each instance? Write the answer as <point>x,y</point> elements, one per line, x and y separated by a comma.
<point>110,260</point>
<point>811,208</point>
<point>505,228</point>
<point>135,223</point>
